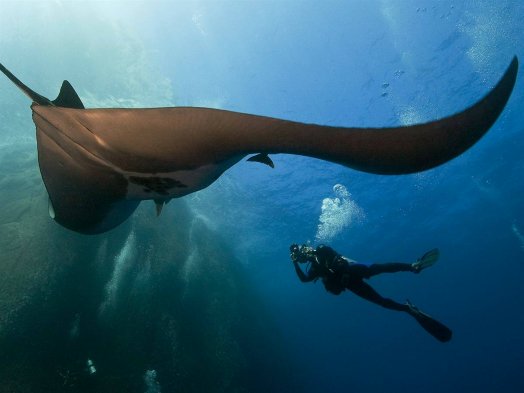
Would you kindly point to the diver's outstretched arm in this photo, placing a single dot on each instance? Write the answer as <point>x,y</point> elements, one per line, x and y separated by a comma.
<point>303,276</point>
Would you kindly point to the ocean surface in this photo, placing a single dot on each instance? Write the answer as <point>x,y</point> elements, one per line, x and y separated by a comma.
<point>205,298</point>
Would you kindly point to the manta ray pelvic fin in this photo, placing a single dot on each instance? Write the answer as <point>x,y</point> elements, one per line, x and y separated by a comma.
<point>263,158</point>
<point>159,205</point>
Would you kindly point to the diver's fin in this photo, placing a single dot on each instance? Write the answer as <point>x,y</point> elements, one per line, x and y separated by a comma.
<point>27,91</point>
<point>426,260</point>
<point>67,98</point>
<point>159,205</point>
<point>262,158</point>
<point>437,329</point>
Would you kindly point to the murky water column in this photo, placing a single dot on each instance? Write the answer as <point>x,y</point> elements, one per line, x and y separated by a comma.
<point>156,305</point>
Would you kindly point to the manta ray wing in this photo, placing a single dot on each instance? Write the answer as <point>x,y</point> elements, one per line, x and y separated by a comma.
<point>98,164</point>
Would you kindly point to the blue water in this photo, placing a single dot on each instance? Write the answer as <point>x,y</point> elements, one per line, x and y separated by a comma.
<point>359,63</point>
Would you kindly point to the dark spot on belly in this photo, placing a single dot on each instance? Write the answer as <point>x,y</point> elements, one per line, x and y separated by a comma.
<point>160,185</point>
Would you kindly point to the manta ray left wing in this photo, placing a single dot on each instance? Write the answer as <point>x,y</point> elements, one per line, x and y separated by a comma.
<point>98,164</point>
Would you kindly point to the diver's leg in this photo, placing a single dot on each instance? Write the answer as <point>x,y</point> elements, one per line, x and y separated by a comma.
<point>437,329</point>
<point>391,267</point>
<point>366,271</point>
<point>364,290</point>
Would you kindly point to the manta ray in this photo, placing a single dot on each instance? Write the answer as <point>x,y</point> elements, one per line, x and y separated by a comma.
<point>99,164</point>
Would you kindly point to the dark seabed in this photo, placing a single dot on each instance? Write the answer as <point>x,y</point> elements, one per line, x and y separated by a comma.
<point>204,298</point>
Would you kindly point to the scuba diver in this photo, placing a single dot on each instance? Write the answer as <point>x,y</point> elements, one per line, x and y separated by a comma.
<point>339,273</point>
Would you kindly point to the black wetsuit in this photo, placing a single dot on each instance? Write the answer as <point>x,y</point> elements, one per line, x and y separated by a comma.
<point>338,273</point>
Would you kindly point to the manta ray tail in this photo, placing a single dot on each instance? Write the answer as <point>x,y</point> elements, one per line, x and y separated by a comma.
<point>27,91</point>
<point>67,98</point>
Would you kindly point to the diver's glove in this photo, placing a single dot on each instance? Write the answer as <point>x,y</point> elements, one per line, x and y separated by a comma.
<point>294,252</point>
